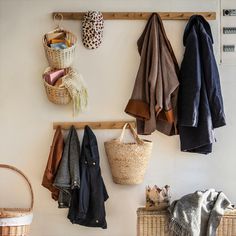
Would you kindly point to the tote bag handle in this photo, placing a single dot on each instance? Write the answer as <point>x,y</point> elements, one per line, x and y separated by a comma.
<point>133,132</point>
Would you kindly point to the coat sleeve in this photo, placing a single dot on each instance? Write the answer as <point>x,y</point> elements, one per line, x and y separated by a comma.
<point>167,84</point>
<point>190,83</point>
<point>212,81</point>
<point>138,104</point>
<point>105,194</point>
<point>84,196</point>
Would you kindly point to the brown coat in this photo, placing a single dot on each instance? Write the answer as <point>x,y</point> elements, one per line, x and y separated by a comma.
<point>54,159</point>
<point>154,98</point>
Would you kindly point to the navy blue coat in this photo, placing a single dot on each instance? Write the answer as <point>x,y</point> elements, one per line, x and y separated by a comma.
<point>200,103</point>
<point>87,203</point>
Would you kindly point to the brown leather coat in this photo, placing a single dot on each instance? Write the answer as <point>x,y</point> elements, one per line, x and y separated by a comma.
<point>154,99</point>
<point>54,159</point>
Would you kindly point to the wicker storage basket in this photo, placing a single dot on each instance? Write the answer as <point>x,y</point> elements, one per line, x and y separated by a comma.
<point>155,223</point>
<point>60,58</point>
<point>16,221</point>
<point>55,94</point>
<point>128,161</point>
<point>152,223</point>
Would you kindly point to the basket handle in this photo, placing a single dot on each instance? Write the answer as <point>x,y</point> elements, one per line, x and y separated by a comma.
<point>133,132</point>
<point>27,180</point>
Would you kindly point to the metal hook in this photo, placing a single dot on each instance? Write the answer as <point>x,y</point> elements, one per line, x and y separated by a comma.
<point>141,15</point>
<point>58,18</point>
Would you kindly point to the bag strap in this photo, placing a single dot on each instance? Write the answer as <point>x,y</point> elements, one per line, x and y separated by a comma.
<point>27,180</point>
<point>133,132</point>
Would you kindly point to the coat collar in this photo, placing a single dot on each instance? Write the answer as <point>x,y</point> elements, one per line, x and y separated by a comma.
<point>197,21</point>
<point>89,146</point>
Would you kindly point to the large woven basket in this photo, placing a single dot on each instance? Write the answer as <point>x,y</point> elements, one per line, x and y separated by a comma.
<point>128,161</point>
<point>60,58</point>
<point>56,94</point>
<point>16,221</point>
<point>155,223</point>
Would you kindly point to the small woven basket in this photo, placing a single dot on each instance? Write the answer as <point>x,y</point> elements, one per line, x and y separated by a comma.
<point>128,161</point>
<point>56,94</point>
<point>60,58</point>
<point>16,221</point>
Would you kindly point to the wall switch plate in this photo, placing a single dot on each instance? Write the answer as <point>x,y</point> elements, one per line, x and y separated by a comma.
<point>229,30</point>
<point>229,12</point>
<point>228,48</point>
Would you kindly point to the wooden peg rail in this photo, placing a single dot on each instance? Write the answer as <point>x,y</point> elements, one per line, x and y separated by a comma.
<point>94,125</point>
<point>137,15</point>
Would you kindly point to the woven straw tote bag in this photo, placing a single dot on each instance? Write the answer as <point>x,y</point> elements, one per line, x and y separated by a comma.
<point>16,221</point>
<point>56,94</point>
<point>128,161</point>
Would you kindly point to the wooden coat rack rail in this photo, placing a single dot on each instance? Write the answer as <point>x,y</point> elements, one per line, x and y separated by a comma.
<point>94,125</point>
<point>137,15</point>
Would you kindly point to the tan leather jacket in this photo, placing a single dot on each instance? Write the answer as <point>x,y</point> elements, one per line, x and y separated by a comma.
<point>54,159</point>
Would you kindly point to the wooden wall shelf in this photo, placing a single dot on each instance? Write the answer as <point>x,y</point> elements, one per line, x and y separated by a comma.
<point>137,15</point>
<point>94,125</point>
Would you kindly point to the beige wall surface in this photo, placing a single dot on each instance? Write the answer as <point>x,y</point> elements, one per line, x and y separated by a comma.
<point>26,115</point>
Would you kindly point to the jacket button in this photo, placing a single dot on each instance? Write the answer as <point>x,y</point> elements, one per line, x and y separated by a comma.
<point>85,162</point>
<point>97,221</point>
<point>94,163</point>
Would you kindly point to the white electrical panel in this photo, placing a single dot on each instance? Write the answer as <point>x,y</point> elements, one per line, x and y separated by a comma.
<point>228,32</point>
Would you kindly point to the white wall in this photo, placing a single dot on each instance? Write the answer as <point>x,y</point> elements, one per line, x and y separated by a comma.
<point>26,115</point>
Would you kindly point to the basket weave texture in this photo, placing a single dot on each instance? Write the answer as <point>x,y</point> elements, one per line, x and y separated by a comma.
<point>155,223</point>
<point>128,161</point>
<point>15,230</point>
<point>56,94</point>
<point>19,228</point>
<point>60,58</point>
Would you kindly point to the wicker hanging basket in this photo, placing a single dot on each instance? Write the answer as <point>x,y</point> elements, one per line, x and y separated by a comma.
<point>16,221</point>
<point>60,58</point>
<point>56,94</point>
<point>128,161</point>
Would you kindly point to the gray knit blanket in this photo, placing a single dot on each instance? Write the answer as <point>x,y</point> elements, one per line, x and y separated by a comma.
<point>198,214</point>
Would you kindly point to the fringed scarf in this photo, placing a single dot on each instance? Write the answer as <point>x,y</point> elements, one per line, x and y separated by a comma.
<point>74,83</point>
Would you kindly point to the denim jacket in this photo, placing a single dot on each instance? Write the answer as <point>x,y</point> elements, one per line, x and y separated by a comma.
<point>68,174</point>
<point>87,203</point>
